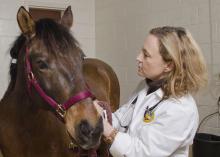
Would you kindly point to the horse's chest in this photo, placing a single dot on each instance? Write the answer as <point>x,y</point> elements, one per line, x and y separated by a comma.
<point>32,141</point>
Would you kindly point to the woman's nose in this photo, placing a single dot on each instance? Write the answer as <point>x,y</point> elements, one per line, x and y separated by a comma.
<point>138,58</point>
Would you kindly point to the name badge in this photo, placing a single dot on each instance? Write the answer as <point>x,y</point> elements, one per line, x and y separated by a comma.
<point>148,116</point>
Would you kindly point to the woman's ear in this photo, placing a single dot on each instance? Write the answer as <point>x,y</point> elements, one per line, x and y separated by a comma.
<point>169,67</point>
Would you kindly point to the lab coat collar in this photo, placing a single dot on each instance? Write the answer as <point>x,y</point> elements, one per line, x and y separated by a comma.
<point>159,93</point>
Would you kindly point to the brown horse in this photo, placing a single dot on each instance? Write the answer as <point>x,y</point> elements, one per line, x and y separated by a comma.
<point>47,104</point>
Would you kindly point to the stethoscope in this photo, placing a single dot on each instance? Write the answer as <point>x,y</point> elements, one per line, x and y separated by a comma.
<point>148,114</point>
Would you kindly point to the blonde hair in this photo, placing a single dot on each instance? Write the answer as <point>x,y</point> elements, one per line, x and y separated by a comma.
<point>177,46</point>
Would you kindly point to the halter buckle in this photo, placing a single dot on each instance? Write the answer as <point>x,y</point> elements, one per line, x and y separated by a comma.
<point>72,146</point>
<point>61,111</point>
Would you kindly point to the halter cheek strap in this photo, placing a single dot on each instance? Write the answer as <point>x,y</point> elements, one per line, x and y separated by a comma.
<point>59,108</point>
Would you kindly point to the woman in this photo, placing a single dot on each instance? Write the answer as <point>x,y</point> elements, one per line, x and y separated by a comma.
<point>160,120</point>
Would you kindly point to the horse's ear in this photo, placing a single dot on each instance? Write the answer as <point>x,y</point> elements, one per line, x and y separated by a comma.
<point>26,22</point>
<point>67,18</point>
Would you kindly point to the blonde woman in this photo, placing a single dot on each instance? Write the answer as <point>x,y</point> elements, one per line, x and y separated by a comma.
<point>160,120</point>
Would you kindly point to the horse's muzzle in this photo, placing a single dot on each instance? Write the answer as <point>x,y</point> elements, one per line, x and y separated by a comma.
<point>88,136</point>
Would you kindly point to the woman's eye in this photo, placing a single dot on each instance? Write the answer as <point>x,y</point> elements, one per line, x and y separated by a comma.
<point>42,65</point>
<point>146,55</point>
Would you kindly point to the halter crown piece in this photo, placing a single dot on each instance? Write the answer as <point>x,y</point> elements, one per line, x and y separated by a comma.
<point>59,108</point>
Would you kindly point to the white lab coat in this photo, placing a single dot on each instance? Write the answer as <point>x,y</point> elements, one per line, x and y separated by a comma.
<point>168,135</point>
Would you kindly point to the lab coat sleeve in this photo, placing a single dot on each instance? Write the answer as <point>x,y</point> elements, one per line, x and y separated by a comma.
<point>117,115</point>
<point>159,138</point>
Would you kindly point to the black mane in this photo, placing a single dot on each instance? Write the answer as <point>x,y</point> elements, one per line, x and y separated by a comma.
<point>14,51</point>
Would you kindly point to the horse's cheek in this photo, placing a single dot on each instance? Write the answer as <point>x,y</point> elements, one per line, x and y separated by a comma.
<point>70,121</point>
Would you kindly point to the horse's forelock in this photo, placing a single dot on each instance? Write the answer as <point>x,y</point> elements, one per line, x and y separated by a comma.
<point>55,36</point>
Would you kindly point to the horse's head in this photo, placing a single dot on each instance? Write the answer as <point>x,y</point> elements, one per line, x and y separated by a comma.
<point>54,58</point>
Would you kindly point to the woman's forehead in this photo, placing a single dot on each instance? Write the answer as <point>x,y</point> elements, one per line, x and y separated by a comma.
<point>151,44</point>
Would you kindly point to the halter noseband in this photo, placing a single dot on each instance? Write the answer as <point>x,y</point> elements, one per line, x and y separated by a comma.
<point>59,108</point>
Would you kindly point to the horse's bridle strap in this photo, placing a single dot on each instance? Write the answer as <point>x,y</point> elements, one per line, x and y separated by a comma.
<point>76,98</point>
<point>60,108</point>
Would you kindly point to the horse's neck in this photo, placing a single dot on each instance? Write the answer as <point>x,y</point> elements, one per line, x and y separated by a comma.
<point>17,86</point>
<point>30,127</point>
<point>8,91</point>
<point>15,95</point>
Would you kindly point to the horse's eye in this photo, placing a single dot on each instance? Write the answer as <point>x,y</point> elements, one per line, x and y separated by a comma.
<point>42,64</point>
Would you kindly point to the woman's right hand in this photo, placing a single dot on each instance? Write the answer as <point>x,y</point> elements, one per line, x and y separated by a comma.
<point>98,107</point>
<point>107,126</point>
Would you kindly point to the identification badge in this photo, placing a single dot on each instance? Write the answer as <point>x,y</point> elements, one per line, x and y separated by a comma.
<point>148,116</point>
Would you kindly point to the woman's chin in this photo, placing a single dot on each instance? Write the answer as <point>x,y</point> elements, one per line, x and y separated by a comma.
<point>140,74</point>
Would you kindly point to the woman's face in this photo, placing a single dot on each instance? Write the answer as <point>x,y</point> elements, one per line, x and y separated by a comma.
<point>150,62</point>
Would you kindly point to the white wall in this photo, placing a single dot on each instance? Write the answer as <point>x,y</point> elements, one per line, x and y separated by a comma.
<point>83,29</point>
<point>121,26</point>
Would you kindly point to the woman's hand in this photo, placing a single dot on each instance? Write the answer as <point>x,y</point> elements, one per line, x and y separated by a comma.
<point>107,126</point>
<point>98,108</point>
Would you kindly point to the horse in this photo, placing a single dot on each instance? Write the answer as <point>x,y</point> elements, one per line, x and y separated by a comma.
<point>48,108</point>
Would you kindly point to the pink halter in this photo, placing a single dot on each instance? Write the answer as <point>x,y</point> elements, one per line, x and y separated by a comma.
<point>59,108</point>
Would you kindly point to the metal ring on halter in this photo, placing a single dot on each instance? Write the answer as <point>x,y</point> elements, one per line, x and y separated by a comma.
<point>61,111</point>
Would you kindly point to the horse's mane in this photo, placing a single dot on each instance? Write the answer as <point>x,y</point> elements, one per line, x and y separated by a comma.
<point>14,51</point>
<point>54,36</point>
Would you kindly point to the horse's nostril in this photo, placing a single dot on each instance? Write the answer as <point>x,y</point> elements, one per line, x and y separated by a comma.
<point>99,127</point>
<point>87,132</point>
<point>85,128</point>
